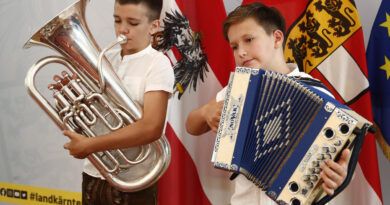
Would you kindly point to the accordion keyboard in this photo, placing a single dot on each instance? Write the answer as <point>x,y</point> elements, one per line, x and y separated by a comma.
<point>276,131</point>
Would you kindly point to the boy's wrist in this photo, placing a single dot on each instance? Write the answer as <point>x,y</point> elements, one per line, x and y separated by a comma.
<point>204,111</point>
<point>90,145</point>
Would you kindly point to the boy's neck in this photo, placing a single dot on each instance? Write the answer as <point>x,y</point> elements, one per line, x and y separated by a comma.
<point>280,67</point>
<point>129,54</point>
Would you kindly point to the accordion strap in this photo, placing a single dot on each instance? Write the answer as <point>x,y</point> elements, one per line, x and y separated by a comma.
<point>310,81</point>
<point>360,133</point>
<point>233,176</point>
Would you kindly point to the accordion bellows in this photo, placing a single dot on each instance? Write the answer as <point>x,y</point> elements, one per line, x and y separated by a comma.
<point>276,131</point>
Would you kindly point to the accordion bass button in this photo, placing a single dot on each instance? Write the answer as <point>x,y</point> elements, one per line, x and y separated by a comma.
<point>295,201</point>
<point>306,178</point>
<point>317,170</point>
<point>328,156</point>
<point>325,149</point>
<point>320,157</point>
<point>314,170</point>
<point>313,178</point>
<point>316,163</point>
<point>304,191</point>
<point>337,143</point>
<point>294,187</point>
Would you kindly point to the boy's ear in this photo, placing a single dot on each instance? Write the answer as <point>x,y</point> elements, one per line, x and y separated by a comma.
<point>154,26</point>
<point>279,38</point>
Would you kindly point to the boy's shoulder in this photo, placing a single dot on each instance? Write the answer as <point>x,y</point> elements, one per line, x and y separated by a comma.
<point>307,79</point>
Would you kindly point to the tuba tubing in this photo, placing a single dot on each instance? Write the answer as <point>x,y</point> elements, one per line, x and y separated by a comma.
<point>95,95</point>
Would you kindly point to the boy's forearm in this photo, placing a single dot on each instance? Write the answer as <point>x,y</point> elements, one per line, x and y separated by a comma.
<point>196,123</point>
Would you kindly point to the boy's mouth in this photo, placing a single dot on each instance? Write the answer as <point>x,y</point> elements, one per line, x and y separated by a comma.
<point>247,63</point>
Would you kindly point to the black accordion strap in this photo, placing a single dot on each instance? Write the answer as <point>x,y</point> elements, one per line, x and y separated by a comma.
<point>310,81</point>
<point>351,165</point>
<point>234,175</point>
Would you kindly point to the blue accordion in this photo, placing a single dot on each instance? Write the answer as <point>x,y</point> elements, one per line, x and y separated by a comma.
<point>276,130</point>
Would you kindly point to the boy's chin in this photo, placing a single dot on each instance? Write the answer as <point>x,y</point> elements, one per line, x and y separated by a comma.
<point>252,66</point>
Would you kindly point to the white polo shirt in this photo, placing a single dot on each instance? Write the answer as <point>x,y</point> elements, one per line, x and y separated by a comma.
<point>146,70</point>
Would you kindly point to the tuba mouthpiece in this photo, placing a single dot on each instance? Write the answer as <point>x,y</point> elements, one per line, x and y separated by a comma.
<point>121,39</point>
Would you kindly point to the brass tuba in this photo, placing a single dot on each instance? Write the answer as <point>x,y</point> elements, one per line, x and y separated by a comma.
<point>90,99</point>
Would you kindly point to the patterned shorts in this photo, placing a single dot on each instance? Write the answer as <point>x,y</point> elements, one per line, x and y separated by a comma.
<point>96,191</point>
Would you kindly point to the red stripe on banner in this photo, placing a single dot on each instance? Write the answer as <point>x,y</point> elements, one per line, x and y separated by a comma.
<point>176,53</point>
<point>357,50</point>
<point>180,184</point>
<point>179,4</point>
<point>206,17</point>
<point>368,156</point>
<point>317,74</point>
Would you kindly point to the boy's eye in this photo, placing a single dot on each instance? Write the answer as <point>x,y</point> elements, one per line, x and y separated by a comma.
<point>133,23</point>
<point>248,40</point>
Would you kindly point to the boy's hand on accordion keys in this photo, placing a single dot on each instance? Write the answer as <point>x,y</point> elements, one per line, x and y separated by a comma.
<point>334,173</point>
<point>212,114</point>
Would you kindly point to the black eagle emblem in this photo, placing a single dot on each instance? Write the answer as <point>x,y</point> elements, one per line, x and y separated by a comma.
<point>192,64</point>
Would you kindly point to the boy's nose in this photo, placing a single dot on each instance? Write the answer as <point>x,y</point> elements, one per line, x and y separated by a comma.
<point>242,53</point>
<point>123,29</point>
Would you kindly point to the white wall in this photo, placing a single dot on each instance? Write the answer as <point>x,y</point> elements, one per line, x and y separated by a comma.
<point>29,143</point>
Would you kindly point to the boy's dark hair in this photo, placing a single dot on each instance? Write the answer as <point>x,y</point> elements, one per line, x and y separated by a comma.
<point>154,6</point>
<point>267,17</point>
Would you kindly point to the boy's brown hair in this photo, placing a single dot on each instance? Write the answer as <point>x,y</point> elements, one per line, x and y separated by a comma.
<point>154,6</point>
<point>267,17</point>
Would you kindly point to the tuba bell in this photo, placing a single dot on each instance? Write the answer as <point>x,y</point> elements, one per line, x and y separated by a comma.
<point>90,99</point>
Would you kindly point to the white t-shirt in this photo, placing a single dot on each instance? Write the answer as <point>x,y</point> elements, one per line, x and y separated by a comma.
<point>245,192</point>
<point>146,70</point>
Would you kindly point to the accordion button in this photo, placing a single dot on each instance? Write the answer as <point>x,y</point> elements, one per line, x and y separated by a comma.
<point>320,157</point>
<point>337,143</point>
<point>306,178</point>
<point>317,170</point>
<point>325,149</point>
<point>304,191</point>
<point>316,163</point>
<point>311,170</point>
<point>313,178</point>
<point>328,156</point>
<point>314,170</point>
<point>294,187</point>
<point>295,201</point>
<point>332,149</point>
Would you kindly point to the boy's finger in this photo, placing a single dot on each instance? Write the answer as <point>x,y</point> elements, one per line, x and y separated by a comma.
<point>344,159</point>
<point>330,174</point>
<point>68,133</point>
<point>66,146</point>
<point>328,190</point>
<point>333,169</point>
<point>328,181</point>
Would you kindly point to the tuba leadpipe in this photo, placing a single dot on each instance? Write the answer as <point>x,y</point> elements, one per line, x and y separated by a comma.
<point>90,99</point>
